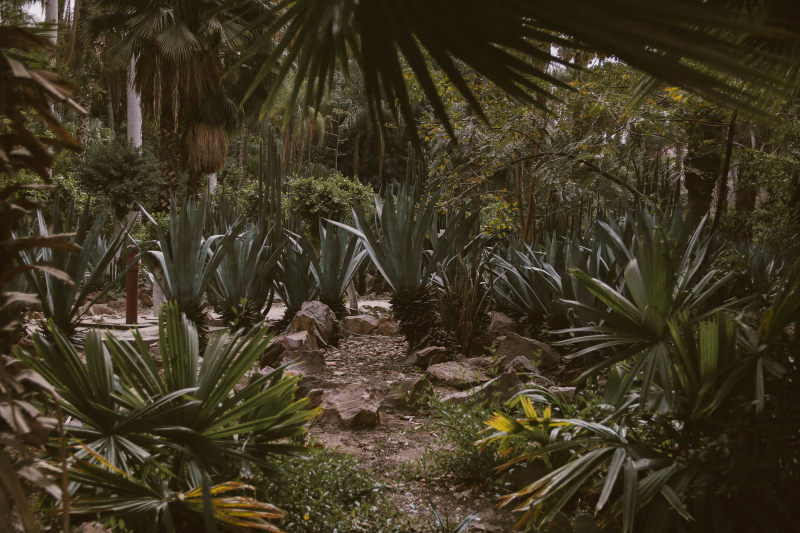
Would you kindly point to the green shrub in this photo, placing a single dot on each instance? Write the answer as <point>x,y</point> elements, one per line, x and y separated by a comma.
<point>327,492</point>
<point>121,173</point>
<point>313,197</point>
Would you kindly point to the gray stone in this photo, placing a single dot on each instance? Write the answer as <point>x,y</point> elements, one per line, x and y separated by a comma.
<point>501,324</point>
<point>511,346</point>
<point>315,397</point>
<point>455,374</point>
<point>422,358</point>
<point>278,346</point>
<point>406,393</point>
<point>93,527</point>
<point>349,407</point>
<point>100,309</point>
<point>305,362</point>
<point>520,365</point>
<point>316,318</point>
<point>387,326</point>
<point>499,389</point>
<point>567,393</point>
<point>360,324</point>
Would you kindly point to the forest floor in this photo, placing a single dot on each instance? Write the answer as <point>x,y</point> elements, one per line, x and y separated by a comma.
<point>395,450</point>
<point>397,446</point>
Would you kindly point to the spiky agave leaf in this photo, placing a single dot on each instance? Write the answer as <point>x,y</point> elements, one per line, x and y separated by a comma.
<point>340,255</point>
<point>294,281</point>
<point>187,260</point>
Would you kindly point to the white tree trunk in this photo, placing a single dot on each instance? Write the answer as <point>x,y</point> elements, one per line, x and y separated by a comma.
<point>134,108</point>
<point>212,183</point>
<point>51,18</point>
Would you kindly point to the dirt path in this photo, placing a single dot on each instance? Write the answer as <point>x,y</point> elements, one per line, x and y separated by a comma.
<point>400,438</point>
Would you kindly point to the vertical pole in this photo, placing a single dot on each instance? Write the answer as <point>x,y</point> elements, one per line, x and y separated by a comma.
<point>131,287</point>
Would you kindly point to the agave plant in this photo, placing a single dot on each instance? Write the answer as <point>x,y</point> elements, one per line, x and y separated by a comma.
<point>406,255</point>
<point>340,255</point>
<point>64,301</point>
<point>152,444</point>
<point>243,279</point>
<point>294,281</point>
<point>187,261</point>
<point>678,373</point>
<point>464,296</point>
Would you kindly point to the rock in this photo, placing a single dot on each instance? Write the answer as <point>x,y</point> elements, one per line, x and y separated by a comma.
<point>93,527</point>
<point>406,393</point>
<point>567,393</point>
<point>308,384</point>
<point>422,358</point>
<point>316,317</point>
<point>281,344</point>
<point>499,389</point>
<point>305,362</point>
<point>349,407</point>
<point>542,355</point>
<point>145,300</point>
<point>520,365</point>
<point>100,309</point>
<point>315,397</point>
<point>360,324</point>
<point>500,325</point>
<point>387,326</point>
<point>458,375</point>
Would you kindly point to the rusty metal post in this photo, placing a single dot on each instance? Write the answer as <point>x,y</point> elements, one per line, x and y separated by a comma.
<point>131,288</point>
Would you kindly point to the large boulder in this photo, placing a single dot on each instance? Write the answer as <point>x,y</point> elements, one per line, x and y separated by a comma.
<point>497,390</point>
<point>387,326</point>
<point>428,356</point>
<point>278,346</point>
<point>406,393</point>
<point>500,325</point>
<point>317,319</point>
<point>305,362</point>
<point>360,324</point>
<point>350,406</point>
<point>511,346</point>
<point>457,374</point>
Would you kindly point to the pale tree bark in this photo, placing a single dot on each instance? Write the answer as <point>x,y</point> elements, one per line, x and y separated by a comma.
<point>134,107</point>
<point>51,18</point>
<point>212,183</point>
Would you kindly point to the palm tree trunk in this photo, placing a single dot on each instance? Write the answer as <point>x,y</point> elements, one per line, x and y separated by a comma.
<point>134,107</point>
<point>51,18</point>
<point>169,151</point>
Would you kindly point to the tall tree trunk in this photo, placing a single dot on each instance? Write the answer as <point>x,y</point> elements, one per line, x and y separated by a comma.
<point>169,150</point>
<point>212,183</point>
<point>133,108</point>
<point>112,125</point>
<point>51,18</point>
<point>703,163</point>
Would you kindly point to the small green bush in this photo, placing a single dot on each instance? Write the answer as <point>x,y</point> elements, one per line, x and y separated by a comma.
<point>121,173</point>
<point>313,197</point>
<point>327,492</point>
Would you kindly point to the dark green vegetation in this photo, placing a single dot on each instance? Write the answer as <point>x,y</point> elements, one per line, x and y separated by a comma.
<point>620,177</point>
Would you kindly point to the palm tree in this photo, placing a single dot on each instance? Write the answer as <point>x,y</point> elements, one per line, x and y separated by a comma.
<point>179,47</point>
<point>708,47</point>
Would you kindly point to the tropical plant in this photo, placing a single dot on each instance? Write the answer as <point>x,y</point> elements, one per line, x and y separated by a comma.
<point>64,301</point>
<point>340,255</point>
<point>186,261</point>
<point>668,452</point>
<point>151,443</point>
<point>313,198</point>
<point>709,47</point>
<point>294,281</point>
<point>26,96</point>
<point>403,257</point>
<point>120,172</point>
<point>464,297</point>
<point>243,279</point>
